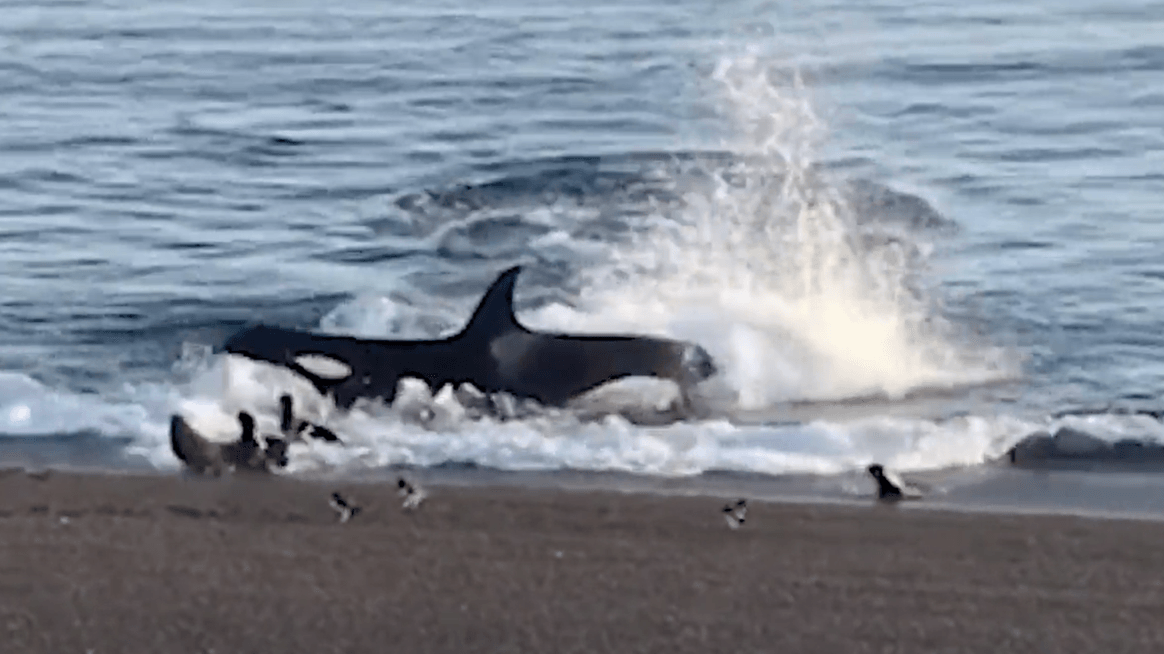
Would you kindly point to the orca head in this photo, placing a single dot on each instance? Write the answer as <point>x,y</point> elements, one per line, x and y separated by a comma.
<point>261,343</point>
<point>324,366</point>
<point>685,363</point>
<point>299,352</point>
<point>697,362</point>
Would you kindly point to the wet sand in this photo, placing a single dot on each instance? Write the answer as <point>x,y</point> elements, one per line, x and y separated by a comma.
<point>94,563</point>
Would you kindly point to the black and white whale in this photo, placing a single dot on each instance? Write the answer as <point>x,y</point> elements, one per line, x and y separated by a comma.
<point>494,353</point>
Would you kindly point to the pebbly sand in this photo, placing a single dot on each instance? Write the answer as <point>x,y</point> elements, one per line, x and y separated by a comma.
<point>121,564</point>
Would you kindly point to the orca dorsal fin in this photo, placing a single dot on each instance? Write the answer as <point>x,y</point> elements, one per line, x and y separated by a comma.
<point>494,314</point>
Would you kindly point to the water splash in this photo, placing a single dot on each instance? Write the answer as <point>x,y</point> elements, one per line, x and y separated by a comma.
<point>770,268</point>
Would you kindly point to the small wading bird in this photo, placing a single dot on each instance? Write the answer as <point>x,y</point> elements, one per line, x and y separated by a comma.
<point>345,508</point>
<point>413,495</point>
<point>735,513</point>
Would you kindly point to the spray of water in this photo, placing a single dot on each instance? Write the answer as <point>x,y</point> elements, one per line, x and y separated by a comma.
<point>772,270</point>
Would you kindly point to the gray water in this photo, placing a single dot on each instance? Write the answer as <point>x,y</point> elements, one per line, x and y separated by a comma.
<point>910,233</point>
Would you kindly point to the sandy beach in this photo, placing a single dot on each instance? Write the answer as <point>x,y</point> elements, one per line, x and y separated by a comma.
<point>102,563</point>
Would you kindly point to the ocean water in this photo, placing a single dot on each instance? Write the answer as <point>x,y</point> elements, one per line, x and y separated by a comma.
<point>911,233</point>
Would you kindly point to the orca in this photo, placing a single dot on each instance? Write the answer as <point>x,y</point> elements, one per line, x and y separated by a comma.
<point>494,353</point>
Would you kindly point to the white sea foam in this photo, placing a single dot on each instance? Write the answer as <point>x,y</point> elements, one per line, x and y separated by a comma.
<point>426,429</point>
<point>798,297</point>
<point>423,429</point>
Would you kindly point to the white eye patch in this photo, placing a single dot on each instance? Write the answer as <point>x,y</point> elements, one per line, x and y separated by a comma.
<point>323,366</point>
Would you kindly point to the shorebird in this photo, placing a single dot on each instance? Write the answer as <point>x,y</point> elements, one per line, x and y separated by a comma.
<point>735,512</point>
<point>294,429</point>
<point>890,487</point>
<point>345,508</point>
<point>413,495</point>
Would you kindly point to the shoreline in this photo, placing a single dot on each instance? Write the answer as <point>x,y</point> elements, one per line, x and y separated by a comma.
<point>100,563</point>
<point>988,488</point>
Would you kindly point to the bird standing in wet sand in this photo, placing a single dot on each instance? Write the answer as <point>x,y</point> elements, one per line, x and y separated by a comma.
<point>413,495</point>
<point>890,487</point>
<point>735,513</point>
<point>344,507</point>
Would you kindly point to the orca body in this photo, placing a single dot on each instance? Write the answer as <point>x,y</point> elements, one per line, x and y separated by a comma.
<point>494,353</point>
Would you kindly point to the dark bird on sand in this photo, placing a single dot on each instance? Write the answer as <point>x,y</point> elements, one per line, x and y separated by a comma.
<point>344,507</point>
<point>890,487</point>
<point>413,495</point>
<point>735,513</point>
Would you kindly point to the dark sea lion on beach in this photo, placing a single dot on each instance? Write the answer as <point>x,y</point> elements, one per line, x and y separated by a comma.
<point>202,455</point>
<point>191,448</point>
<point>1071,448</point>
<point>494,353</point>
